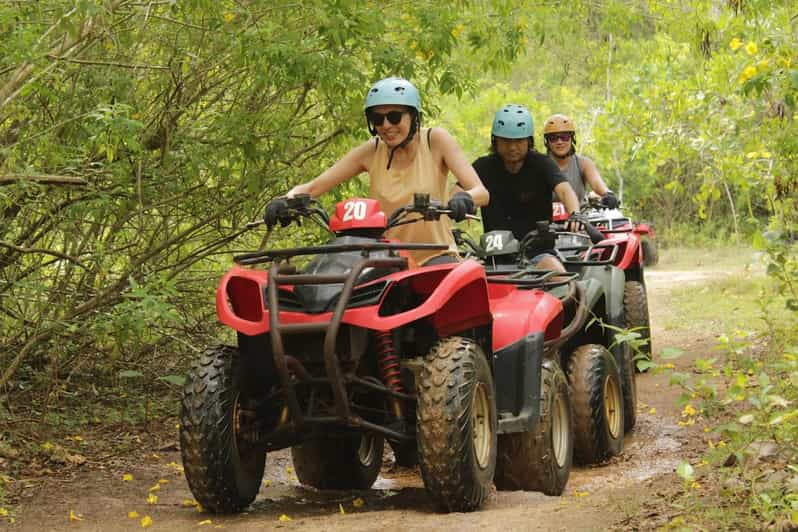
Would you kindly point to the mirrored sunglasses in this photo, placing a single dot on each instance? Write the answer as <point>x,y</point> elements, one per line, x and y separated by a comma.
<point>394,117</point>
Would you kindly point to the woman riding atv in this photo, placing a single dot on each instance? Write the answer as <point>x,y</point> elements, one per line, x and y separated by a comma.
<point>559,136</point>
<point>402,158</point>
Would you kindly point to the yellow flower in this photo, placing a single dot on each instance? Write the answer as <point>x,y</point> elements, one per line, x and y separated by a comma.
<point>457,30</point>
<point>695,485</point>
<point>689,411</point>
<point>146,521</point>
<point>152,498</point>
<point>284,518</point>
<point>747,73</point>
<point>267,482</point>
<point>228,17</point>
<point>75,517</point>
<point>752,155</point>
<point>188,502</point>
<point>652,411</point>
<point>3,512</point>
<point>751,48</point>
<point>127,477</point>
<point>357,503</point>
<point>735,44</point>
<point>133,515</point>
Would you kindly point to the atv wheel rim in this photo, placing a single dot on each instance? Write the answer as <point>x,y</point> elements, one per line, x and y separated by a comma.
<point>480,422</point>
<point>367,450</point>
<point>612,406</point>
<point>559,431</point>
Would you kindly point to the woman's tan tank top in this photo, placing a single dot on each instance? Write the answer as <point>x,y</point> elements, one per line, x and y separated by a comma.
<point>395,188</point>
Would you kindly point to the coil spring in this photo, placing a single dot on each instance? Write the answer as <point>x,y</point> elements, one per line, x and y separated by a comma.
<point>388,361</point>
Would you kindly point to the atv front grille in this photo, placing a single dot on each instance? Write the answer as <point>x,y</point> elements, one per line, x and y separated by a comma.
<point>363,296</point>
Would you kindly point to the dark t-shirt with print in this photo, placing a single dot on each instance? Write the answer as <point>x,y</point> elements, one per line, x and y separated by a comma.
<point>519,200</point>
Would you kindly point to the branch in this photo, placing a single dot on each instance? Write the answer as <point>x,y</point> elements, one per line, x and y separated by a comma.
<point>43,179</point>
<point>107,63</point>
<point>25,73</point>
<point>58,254</point>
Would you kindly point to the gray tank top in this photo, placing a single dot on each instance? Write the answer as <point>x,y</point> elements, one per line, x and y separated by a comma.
<point>574,176</point>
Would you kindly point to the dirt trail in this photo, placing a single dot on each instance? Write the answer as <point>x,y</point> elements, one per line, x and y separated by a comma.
<point>596,498</point>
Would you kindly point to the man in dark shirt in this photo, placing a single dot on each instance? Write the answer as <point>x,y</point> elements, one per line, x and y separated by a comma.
<point>521,180</point>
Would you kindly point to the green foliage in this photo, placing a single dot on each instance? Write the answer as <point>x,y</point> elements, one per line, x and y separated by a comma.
<point>161,129</point>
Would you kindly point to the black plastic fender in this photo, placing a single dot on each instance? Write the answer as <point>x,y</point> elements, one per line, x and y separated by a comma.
<point>611,282</point>
<point>516,373</point>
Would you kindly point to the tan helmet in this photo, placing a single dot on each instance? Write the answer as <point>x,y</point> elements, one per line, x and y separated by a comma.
<point>558,124</point>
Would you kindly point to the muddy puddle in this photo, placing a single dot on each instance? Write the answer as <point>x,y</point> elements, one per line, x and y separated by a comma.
<point>652,448</point>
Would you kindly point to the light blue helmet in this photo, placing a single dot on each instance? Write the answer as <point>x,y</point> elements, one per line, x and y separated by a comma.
<point>513,122</point>
<point>393,91</point>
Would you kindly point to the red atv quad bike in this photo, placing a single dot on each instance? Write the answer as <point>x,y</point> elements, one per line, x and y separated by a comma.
<point>629,238</point>
<point>353,347</point>
<point>599,369</point>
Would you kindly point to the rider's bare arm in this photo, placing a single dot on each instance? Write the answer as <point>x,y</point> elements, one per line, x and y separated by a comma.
<point>592,176</point>
<point>350,165</point>
<point>453,157</point>
<point>567,195</point>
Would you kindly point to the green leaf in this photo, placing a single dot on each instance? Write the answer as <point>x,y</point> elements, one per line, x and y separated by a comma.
<point>670,353</point>
<point>130,373</point>
<point>178,380</point>
<point>685,471</point>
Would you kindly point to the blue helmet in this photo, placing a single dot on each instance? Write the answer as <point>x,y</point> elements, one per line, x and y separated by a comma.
<point>393,91</point>
<point>513,122</point>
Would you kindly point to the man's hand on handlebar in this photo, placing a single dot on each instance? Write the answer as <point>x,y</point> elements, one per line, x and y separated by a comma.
<point>576,221</point>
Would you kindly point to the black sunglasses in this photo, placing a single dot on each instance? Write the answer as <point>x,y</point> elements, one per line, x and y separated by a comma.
<point>563,137</point>
<point>394,117</point>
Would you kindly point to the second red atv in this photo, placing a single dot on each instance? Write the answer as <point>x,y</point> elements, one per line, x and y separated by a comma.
<point>631,241</point>
<point>340,352</point>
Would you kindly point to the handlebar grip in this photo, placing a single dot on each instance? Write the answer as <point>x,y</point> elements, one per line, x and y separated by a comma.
<point>595,235</point>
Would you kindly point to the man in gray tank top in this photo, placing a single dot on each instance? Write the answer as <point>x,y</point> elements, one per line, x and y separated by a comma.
<point>559,136</point>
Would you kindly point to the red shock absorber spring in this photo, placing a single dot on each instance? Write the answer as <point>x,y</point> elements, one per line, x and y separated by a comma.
<point>388,361</point>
